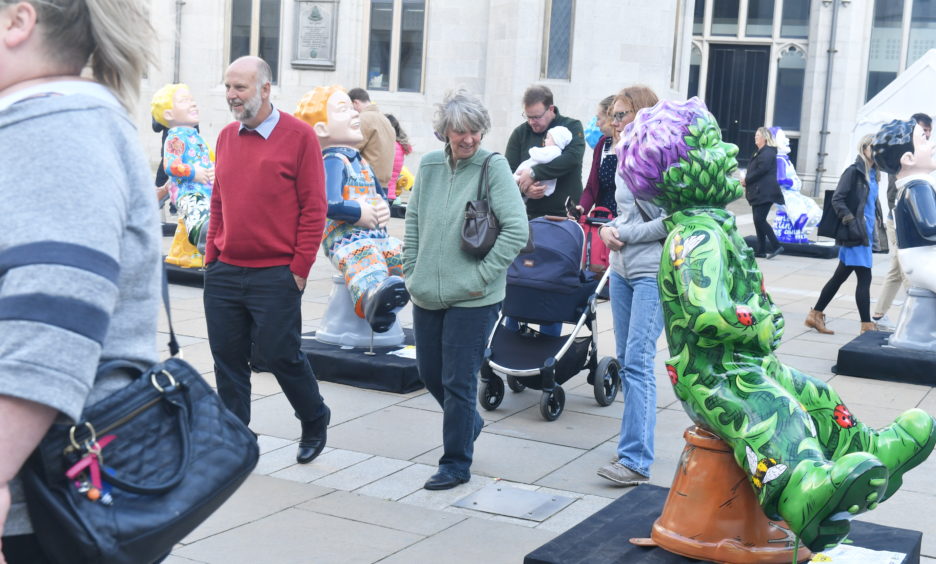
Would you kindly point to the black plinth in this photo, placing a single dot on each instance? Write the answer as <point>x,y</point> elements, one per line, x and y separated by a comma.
<point>351,366</point>
<point>168,229</point>
<point>869,356</point>
<point>604,538</point>
<point>185,276</point>
<point>801,249</point>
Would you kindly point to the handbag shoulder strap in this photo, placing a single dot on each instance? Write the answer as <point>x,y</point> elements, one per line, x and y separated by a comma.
<point>173,343</point>
<point>484,184</point>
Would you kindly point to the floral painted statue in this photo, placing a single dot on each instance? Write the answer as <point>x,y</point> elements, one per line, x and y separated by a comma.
<point>356,239</point>
<point>810,461</point>
<point>188,162</point>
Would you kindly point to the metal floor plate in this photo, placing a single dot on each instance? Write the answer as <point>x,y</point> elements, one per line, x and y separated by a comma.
<point>514,502</point>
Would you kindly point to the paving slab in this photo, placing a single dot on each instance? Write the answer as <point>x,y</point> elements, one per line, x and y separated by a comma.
<point>583,508</point>
<point>511,458</point>
<point>199,356</point>
<point>445,498</point>
<point>572,428</point>
<point>909,510</point>
<point>362,473</point>
<point>276,459</point>
<point>258,497</point>
<point>367,509</point>
<point>878,393</point>
<point>268,443</point>
<point>394,432</point>
<point>475,540</point>
<point>296,536</point>
<point>334,460</point>
<point>400,484</point>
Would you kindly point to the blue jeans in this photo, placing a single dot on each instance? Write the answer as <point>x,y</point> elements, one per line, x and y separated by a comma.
<point>638,321</point>
<point>450,345</point>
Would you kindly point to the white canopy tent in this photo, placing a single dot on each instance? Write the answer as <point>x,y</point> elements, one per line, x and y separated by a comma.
<point>913,91</point>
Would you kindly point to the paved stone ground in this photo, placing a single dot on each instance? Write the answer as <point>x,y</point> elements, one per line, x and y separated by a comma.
<point>362,499</point>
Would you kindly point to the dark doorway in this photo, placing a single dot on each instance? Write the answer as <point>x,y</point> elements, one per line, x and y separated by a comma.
<point>736,93</point>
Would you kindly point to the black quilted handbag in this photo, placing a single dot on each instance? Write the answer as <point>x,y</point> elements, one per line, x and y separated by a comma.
<point>140,470</point>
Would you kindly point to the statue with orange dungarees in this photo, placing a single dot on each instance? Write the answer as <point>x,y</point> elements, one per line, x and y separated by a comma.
<point>356,239</point>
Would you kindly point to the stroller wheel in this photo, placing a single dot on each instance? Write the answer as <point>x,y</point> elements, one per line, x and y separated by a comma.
<point>515,384</point>
<point>491,393</point>
<point>607,381</point>
<point>551,404</point>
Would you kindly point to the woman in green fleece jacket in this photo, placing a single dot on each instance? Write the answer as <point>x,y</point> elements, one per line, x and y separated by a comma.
<point>456,297</point>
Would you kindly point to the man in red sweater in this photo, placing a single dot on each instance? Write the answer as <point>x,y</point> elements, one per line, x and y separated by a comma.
<point>267,217</point>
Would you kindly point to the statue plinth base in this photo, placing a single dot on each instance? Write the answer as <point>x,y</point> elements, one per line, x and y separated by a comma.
<point>916,326</point>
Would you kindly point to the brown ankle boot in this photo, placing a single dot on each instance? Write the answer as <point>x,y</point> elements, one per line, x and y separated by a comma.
<point>868,326</point>
<point>816,320</point>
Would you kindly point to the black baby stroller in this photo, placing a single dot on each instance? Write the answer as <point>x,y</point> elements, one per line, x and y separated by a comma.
<point>544,287</point>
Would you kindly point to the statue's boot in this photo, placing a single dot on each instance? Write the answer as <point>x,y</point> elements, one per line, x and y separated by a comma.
<point>903,445</point>
<point>821,498</point>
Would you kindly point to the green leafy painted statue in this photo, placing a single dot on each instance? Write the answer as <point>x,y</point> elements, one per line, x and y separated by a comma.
<point>809,460</point>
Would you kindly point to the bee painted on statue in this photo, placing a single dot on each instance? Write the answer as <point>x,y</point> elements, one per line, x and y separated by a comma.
<point>763,470</point>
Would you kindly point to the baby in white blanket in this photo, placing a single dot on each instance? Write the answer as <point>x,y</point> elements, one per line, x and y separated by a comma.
<point>557,139</point>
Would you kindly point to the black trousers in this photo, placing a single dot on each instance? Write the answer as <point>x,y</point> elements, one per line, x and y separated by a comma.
<point>862,290</point>
<point>260,305</point>
<point>763,229</point>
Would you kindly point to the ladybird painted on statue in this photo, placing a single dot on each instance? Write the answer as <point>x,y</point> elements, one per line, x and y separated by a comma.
<point>673,375</point>
<point>744,315</point>
<point>843,417</point>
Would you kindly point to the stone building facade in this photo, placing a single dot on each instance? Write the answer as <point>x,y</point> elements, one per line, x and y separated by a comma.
<point>807,65</point>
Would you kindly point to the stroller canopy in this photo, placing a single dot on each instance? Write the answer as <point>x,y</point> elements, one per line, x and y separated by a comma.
<point>556,261</point>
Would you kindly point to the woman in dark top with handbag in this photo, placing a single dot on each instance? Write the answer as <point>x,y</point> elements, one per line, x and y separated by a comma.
<point>856,205</point>
<point>600,188</point>
<point>763,191</point>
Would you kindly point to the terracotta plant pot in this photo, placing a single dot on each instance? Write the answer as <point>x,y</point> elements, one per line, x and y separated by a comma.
<point>711,512</point>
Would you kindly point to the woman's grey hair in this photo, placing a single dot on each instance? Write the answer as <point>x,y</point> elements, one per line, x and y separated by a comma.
<point>460,111</point>
<point>113,36</point>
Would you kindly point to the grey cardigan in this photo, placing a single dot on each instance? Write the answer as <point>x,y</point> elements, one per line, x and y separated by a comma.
<point>640,256</point>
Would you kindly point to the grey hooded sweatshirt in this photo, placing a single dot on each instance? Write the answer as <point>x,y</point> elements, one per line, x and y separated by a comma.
<point>79,252</point>
<point>642,239</point>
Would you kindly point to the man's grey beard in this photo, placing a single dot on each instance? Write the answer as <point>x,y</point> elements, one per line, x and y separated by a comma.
<point>250,108</point>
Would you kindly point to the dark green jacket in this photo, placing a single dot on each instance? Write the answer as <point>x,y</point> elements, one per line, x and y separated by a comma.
<point>566,168</point>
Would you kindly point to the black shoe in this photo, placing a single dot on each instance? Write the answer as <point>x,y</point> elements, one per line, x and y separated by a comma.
<point>443,481</point>
<point>382,303</point>
<point>775,252</point>
<point>760,255</point>
<point>314,436</point>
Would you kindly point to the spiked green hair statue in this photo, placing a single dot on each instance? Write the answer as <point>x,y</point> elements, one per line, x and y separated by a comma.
<point>810,462</point>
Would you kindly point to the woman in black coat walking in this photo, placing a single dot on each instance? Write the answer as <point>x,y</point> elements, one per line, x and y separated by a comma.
<point>763,191</point>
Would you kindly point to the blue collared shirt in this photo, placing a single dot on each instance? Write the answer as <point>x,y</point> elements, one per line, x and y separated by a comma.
<point>266,126</point>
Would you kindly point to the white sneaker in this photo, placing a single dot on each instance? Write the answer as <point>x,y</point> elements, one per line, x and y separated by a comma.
<point>884,323</point>
<point>621,475</point>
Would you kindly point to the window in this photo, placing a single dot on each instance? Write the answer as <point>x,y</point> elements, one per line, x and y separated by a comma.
<point>795,21</point>
<point>725,17</point>
<point>788,102</point>
<point>255,30</point>
<point>397,45</point>
<point>557,39</point>
<point>695,64</point>
<point>760,18</point>
<point>922,30</point>
<point>884,57</point>
<point>698,18</point>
